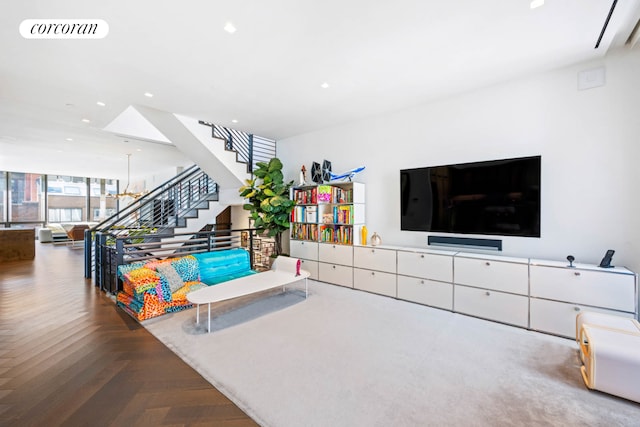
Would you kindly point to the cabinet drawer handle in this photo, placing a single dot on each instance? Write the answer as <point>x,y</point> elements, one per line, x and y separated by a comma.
<point>373,251</point>
<point>333,266</point>
<point>487,263</point>
<point>422,256</point>
<point>422,282</point>
<point>334,246</point>
<point>487,293</point>
<point>576,308</point>
<point>576,273</point>
<point>373,273</point>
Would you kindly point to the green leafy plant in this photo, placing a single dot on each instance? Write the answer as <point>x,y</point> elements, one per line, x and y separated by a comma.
<point>268,201</point>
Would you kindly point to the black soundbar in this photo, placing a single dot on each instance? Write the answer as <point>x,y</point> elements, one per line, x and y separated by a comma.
<point>492,244</point>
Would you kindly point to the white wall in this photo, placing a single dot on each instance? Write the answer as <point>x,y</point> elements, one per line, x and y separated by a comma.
<point>587,139</point>
<point>239,217</point>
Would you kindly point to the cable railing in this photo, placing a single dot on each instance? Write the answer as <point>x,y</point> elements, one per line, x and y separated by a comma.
<point>119,250</point>
<point>249,148</point>
<point>153,215</point>
<point>166,206</point>
<point>145,228</point>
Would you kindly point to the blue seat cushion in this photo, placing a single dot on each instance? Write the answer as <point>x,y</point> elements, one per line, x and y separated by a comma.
<point>217,267</point>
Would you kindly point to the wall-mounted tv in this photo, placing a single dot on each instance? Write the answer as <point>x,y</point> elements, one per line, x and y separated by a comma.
<point>498,197</point>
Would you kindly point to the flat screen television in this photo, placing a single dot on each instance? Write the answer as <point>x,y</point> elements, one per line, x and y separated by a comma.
<point>498,197</point>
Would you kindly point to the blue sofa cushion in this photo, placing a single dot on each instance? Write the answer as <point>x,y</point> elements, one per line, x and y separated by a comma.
<point>218,267</point>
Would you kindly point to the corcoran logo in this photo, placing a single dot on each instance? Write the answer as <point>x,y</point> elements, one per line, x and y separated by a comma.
<point>64,28</point>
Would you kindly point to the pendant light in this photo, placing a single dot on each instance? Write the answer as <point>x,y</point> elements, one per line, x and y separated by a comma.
<point>126,192</point>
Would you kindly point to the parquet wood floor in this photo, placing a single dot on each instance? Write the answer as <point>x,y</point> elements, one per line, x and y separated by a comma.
<point>69,357</point>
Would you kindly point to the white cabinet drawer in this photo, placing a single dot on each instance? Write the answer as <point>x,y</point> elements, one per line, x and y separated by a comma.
<point>428,266</point>
<point>335,254</point>
<point>336,274</point>
<point>493,305</point>
<point>311,267</point>
<point>428,292</point>
<point>488,273</point>
<point>375,259</point>
<point>559,318</point>
<point>597,288</point>
<point>304,250</point>
<point>375,281</point>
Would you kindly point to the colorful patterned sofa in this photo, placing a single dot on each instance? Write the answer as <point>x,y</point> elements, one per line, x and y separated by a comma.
<point>153,288</point>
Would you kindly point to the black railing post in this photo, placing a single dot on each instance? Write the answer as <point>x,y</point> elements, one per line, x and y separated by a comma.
<point>251,260</point>
<point>87,254</point>
<point>97,258</point>
<point>229,139</point>
<point>120,250</point>
<point>250,163</point>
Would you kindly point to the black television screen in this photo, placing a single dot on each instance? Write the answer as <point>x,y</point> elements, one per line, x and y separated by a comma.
<point>499,197</point>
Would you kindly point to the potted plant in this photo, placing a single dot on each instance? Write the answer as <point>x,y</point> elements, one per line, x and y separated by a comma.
<point>268,201</point>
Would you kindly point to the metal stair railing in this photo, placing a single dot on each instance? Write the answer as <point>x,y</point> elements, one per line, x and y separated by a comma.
<point>121,250</point>
<point>250,149</point>
<point>164,206</point>
<point>153,214</point>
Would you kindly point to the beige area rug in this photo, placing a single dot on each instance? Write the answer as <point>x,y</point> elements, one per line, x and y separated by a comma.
<point>348,358</point>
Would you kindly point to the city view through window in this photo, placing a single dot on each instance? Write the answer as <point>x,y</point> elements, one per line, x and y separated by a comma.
<point>29,199</point>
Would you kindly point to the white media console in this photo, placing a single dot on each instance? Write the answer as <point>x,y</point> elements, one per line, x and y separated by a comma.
<point>540,295</point>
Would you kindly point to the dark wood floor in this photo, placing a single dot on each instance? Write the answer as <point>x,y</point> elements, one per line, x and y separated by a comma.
<point>68,356</point>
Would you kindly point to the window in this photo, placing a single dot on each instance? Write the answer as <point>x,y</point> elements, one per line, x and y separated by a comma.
<point>68,198</point>
<point>54,189</point>
<point>73,191</point>
<point>108,213</point>
<point>102,206</point>
<point>65,214</point>
<point>3,196</point>
<point>26,195</point>
<point>67,202</point>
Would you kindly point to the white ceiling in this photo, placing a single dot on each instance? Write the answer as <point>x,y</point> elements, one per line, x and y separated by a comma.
<point>376,56</point>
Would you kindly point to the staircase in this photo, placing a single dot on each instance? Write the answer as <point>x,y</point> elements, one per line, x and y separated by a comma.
<point>174,217</point>
<point>250,149</point>
<point>160,222</point>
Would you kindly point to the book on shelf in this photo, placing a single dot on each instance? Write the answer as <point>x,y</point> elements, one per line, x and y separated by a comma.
<point>304,214</point>
<point>341,195</point>
<point>331,194</point>
<point>302,231</point>
<point>343,214</point>
<point>307,196</point>
<point>324,193</point>
<point>337,234</point>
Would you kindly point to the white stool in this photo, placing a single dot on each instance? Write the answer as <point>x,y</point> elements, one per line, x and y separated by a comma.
<point>611,360</point>
<point>45,235</point>
<point>608,321</point>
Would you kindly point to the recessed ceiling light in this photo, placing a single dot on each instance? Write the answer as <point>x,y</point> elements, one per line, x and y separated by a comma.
<point>86,120</point>
<point>101,104</point>
<point>536,3</point>
<point>324,85</point>
<point>234,121</point>
<point>138,149</point>
<point>229,28</point>
<point>148,95</point>
<point>69,139</point>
